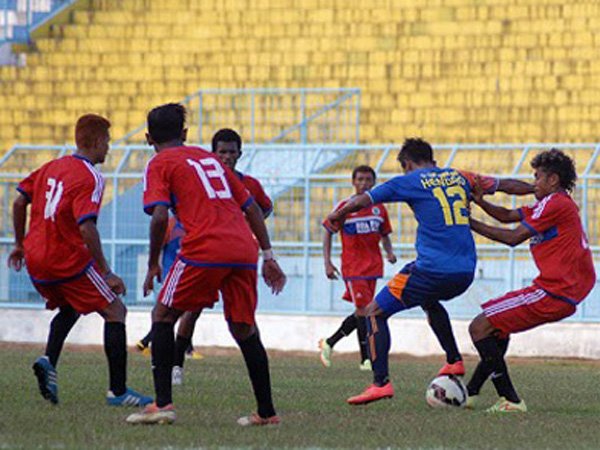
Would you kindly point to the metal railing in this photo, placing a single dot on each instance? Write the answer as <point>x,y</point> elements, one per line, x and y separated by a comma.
<point>304,193</point>
<point>18,18</point>
<point>270,115</point>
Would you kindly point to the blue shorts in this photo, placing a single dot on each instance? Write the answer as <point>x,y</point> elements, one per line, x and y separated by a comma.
<point>413,287</point>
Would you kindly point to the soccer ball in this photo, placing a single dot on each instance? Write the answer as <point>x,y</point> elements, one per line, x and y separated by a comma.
<point>446,390</point>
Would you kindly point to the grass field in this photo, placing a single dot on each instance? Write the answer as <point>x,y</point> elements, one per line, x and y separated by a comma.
<point>563,398</point>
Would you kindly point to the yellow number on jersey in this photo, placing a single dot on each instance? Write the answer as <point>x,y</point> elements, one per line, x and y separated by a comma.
<point>454,216</point>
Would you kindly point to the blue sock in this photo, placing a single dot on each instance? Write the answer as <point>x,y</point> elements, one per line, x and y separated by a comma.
<point>379,348</point>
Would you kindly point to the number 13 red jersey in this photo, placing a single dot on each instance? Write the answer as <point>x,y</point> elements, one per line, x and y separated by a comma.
<point>63,193</point>
<point>208,199</point>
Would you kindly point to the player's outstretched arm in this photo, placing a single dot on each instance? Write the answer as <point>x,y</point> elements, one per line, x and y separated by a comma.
<point>331,271</point>
<point>514,187</point>
<point>356,203</point>
<point>504,235</point>
<point>91,238</point>
<point>271,272</point>
<point>158,228</point>
<point>389,249</point>
<point>17,256</point>
<point>499,213</point>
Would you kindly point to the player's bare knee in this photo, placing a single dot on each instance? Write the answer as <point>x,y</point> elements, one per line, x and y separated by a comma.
<point>160,313</point>
<point>478,328</point>
<point>361,311</point>
<point>241,331</point>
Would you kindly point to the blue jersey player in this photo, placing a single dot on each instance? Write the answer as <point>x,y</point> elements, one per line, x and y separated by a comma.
<point>446,256</point>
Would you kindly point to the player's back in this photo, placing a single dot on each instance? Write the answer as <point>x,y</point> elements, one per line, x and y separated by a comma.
<point>438,198</point>
<point>63,193</point>
<point>207,199</point>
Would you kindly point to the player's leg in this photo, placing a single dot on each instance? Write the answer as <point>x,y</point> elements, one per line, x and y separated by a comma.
<point>44,367</point>
<point>379,346</point>
<point>363,344</point>
<point>439,321</point>
<point>347,326</point>
<point>60,327</point>
<point>363,292</point>
<point>183,341</point>
<point>482,333</point>
<point>239,295</point>
<point>143,344</point>
<point>257,363</point>
<point>186,288</point>
<point>482,372</point>
<point>115,348</point>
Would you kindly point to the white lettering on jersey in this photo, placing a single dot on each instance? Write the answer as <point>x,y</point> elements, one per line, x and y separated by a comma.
<point>538,209</point>
<point>215,172</point>
<point>53,196</point>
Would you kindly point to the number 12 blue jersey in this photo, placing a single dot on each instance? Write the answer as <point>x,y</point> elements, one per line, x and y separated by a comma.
<point>439,199</point>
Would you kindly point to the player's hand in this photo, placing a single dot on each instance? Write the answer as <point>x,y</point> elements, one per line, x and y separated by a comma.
<point>477,190</point>
<point>391,258</point>
<point>16,258</point>
<point>273,276</point>
<point>116,284</point>
<point>331,271</point>
<point>336,220</point>
<point>153,272</point>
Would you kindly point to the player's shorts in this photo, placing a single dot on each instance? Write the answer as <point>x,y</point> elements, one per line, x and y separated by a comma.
<point>525,309</point>
<point>414,287</point>
<point>190,287</point>
<point>86,293</point>
<point>360,292</point>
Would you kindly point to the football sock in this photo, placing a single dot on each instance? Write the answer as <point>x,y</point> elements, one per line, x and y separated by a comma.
<point>181,346</point>
<point>491,356</point>
<point>59,330</point>
<point>361,331</point>
<point>257,363</point>
<point>440,324</point>
<point>347,327</point>
<point>147,339</point>
<point>115,348</point>
<point>190,348</point>
<point>379,347</point>
<point>482,372</point>
<point>162,361</point>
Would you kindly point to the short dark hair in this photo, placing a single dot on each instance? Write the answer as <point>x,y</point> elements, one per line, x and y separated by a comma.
<point>416,150</point>
<point>364,169</point>
<point>226,135</point>
<point>88,129</point>
<point>555,161</point>
<point>166,122</point>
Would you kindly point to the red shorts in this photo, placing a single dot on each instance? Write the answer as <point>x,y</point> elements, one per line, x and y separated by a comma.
<point>360,292</point>
<point>87,293</point>
<point>525,309</point>
<point>192,288</point>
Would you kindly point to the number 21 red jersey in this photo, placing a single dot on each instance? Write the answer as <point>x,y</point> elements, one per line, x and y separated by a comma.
<point>208,199</point>
<point>63,193</point>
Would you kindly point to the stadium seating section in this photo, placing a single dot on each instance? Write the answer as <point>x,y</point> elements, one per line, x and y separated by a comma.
<point>453,71</point>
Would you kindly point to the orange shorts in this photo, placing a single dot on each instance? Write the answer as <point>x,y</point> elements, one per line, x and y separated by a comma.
<point>190,287</point>
<point>86,293</point>
<point>525,309</point>
<point>360,292</point>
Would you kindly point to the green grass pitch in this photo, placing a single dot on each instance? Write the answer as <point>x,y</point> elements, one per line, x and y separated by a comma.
<point>563,398</point>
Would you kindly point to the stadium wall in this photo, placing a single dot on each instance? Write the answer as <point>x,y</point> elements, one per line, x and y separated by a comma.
<point>301,333</point>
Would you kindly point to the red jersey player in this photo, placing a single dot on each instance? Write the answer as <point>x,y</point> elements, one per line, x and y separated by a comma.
<point>64,258</point>
<point>560,250</point>
<point>218,254</point>
<point>361,263</point>
<point>227,146</point>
